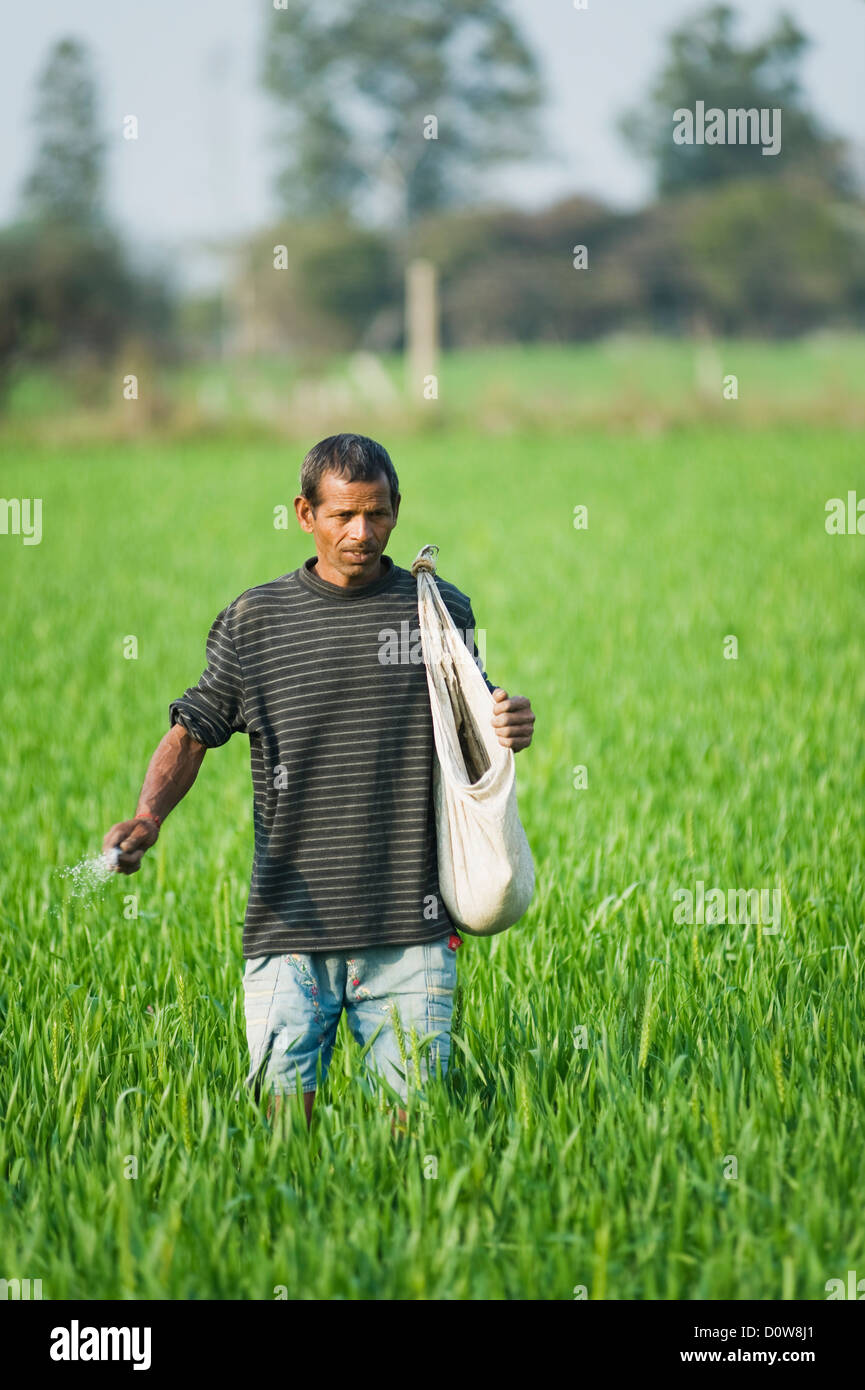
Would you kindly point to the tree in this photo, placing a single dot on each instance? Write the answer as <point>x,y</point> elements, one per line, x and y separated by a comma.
<point>706,64</point>
<point>66,182</point>
<point>357,83</point>
<point>74,295</point>
<point>67,287</point>
<point>775,261</point>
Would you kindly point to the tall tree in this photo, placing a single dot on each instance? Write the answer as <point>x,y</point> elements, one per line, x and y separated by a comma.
<point>705,63</point>
<point>356,83</point>
<point>67,287</point>
<point>66,182</point>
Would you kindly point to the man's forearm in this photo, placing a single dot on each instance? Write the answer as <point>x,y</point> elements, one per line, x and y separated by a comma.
<point>170,773</point>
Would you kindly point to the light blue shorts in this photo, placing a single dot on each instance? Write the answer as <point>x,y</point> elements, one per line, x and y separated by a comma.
<point>398,1002</point>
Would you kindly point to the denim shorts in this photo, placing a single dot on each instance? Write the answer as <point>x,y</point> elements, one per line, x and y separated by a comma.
<point>398,1002</point>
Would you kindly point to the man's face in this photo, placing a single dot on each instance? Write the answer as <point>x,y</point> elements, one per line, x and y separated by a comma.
<point>350,524</point>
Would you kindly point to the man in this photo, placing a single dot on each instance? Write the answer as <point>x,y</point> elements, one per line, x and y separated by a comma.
<point>344,909</point>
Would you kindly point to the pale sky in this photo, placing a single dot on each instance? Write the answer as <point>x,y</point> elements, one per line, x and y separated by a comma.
<point>202,165</point>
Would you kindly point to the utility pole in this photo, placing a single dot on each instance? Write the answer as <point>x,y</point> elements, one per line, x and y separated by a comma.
<point>421,329</point>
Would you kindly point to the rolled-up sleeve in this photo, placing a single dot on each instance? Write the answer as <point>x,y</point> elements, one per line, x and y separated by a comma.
<point>212,710</point>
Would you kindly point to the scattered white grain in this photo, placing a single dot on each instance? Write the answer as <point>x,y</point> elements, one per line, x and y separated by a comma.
<point>89,875</point>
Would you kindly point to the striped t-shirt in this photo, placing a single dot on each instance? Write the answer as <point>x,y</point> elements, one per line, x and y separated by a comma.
<point>330,686</point>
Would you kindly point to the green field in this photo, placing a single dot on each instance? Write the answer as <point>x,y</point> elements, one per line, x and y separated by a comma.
<point>558,1165</point>
<point>627,382</point>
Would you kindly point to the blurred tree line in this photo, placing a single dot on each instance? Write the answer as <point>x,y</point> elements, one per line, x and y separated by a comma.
<point>70,292</point>
<point>735,242</point>
<point>738,259</point>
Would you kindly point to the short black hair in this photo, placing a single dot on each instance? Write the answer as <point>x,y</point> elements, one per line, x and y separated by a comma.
<point>354,457</point>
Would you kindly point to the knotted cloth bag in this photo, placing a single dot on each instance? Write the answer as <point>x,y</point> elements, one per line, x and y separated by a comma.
<point>485,867</point>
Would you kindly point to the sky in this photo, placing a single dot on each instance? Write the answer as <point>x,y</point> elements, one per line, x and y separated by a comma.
<point>202,167</point>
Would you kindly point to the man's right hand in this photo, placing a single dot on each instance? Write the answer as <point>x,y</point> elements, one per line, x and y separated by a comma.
<point>133,837</point>
<point>170,773</point>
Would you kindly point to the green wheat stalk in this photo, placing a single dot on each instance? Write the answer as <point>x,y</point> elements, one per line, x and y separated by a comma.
<point>646,1029</point>
<point>398,1030</point>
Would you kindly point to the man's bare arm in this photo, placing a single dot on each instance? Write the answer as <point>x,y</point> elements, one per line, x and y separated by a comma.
<point>171,772</point>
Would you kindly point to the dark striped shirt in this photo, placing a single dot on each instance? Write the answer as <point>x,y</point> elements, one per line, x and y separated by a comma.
<point>330,686</point>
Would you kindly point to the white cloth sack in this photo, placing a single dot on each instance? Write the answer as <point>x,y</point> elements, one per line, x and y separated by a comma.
<point>485,867</point>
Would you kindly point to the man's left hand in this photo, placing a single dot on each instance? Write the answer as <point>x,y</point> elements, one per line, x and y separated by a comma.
<point>512,719</point>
